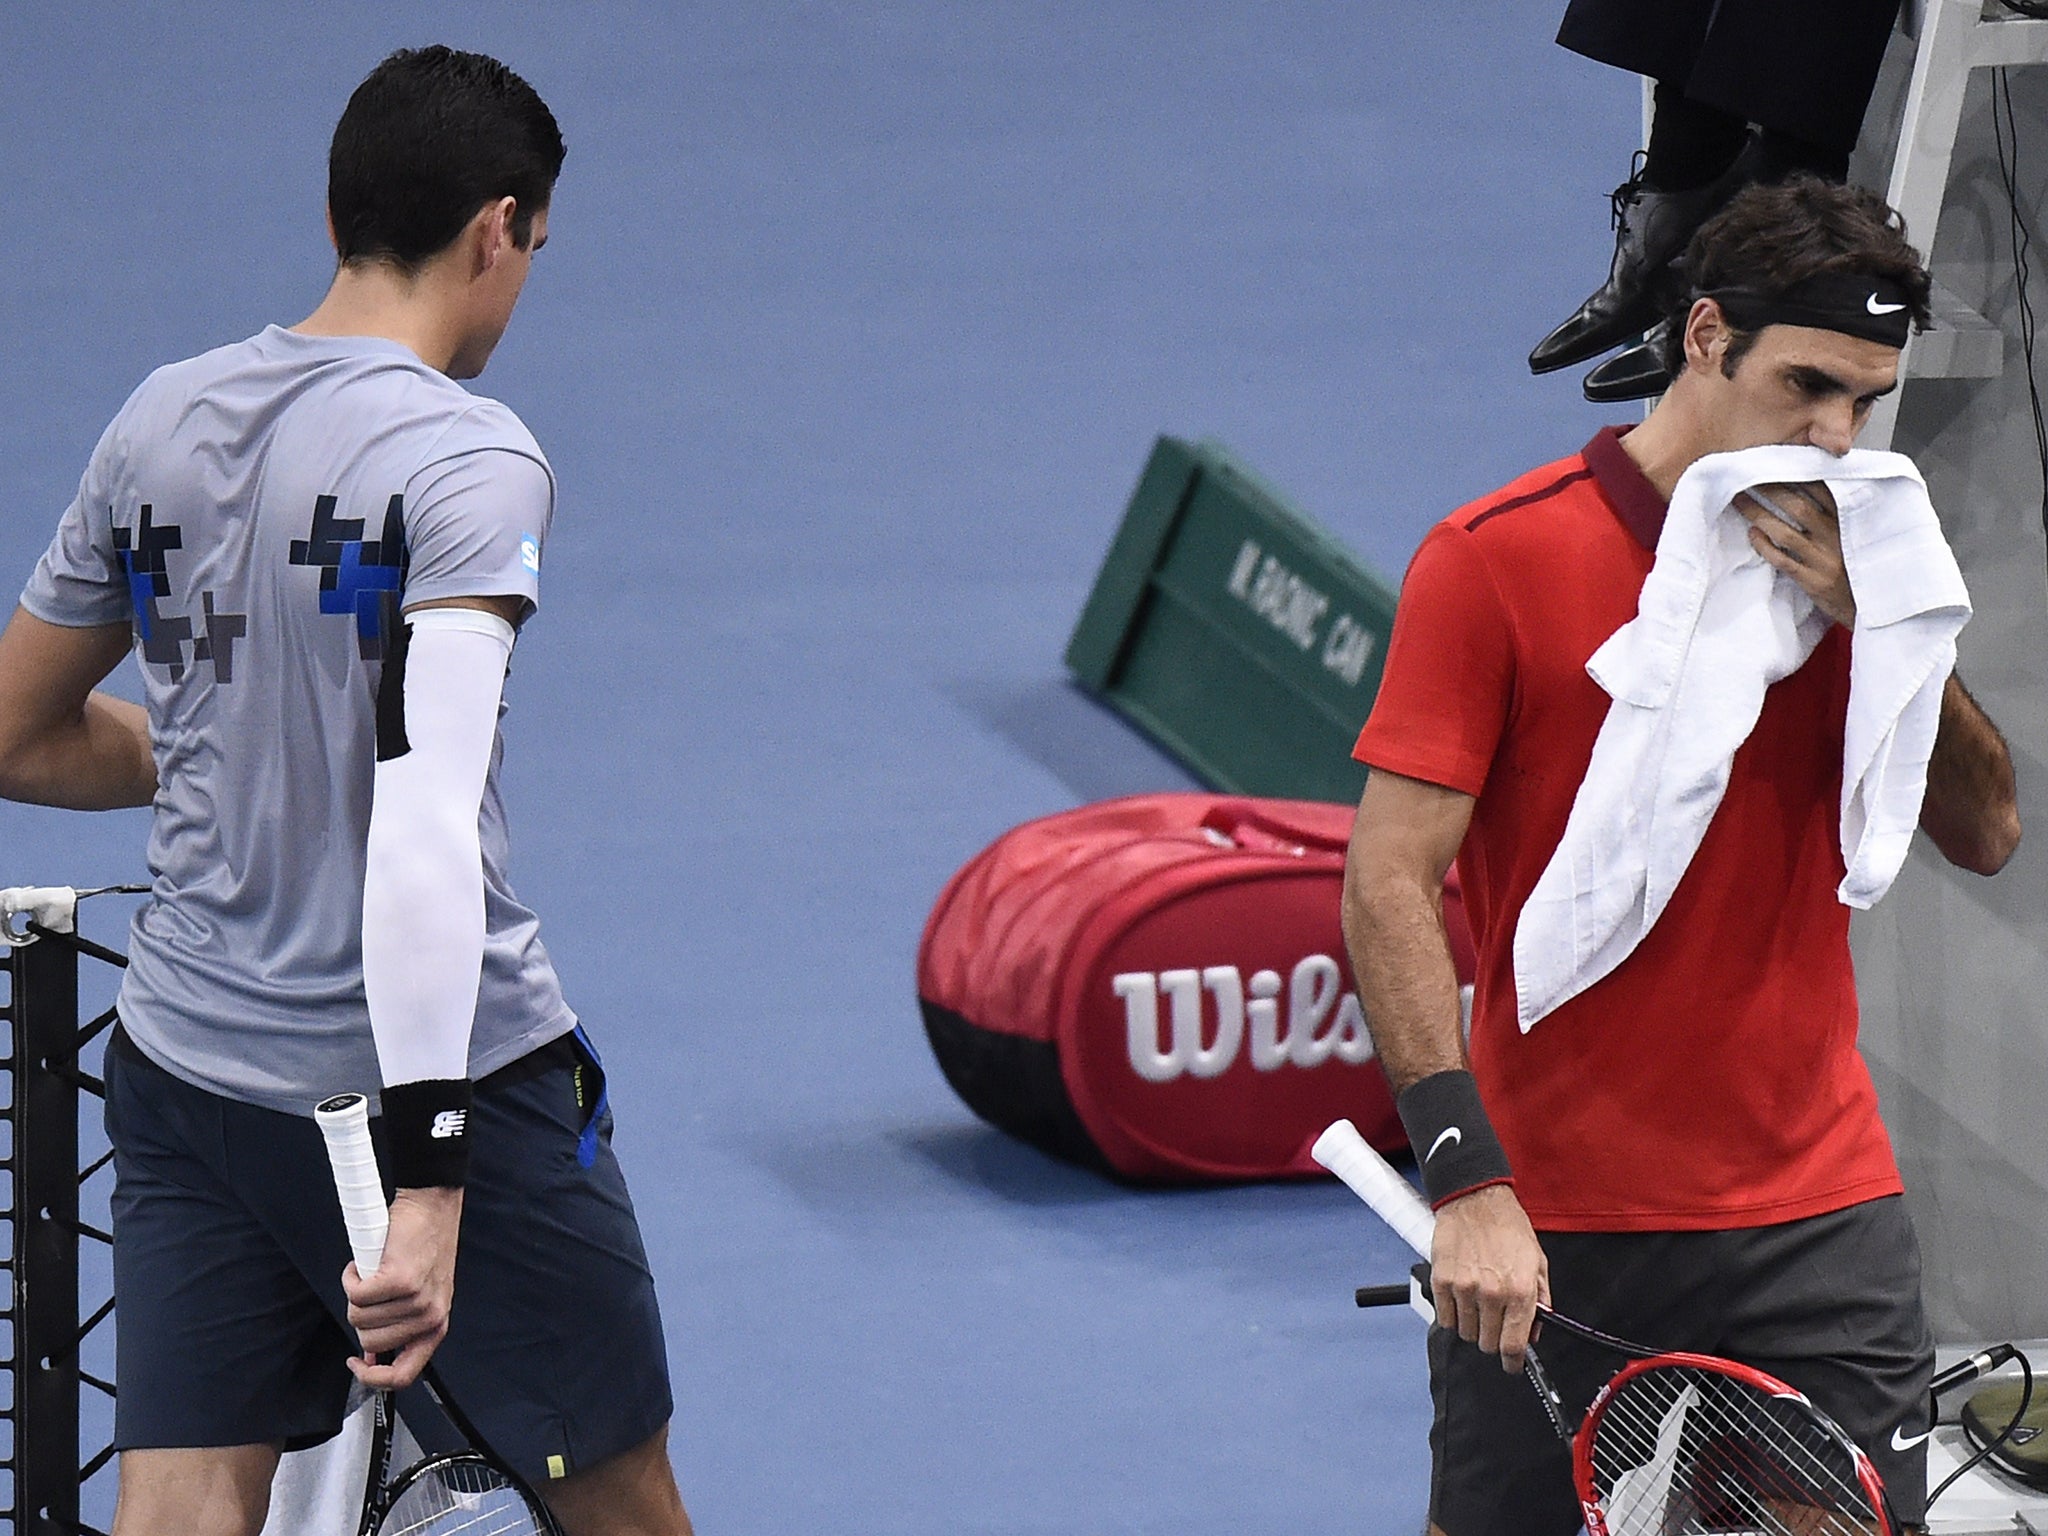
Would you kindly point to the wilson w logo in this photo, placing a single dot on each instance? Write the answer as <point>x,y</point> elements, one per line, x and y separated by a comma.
<point>1203,1042</point>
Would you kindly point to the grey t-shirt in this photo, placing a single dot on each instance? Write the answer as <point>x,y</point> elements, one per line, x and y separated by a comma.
<point>258,513</point>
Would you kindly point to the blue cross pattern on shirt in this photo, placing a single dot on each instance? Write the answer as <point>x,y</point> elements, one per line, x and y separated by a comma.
<point>141,551</point>
<point>217,645</point>
<point>357,576</point>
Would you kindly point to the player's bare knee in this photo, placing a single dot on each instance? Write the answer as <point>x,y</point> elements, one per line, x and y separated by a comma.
<point>204,1492</point>
<point>633,1493</point>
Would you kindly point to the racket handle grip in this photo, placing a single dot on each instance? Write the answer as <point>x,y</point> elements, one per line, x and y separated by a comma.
<point>344,1122</point>
<point>1346,1154</point>
<point>1384,1295</point>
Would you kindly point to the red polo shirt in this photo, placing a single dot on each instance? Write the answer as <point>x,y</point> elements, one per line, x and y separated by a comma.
<point>1712,1079</point>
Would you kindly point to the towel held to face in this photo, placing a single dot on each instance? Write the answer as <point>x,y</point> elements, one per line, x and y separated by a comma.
<point>1714,628</point>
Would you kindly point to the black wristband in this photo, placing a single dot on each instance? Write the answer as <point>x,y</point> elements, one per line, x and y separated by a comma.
<point>426,1132</point>
<point>1453,1140</point>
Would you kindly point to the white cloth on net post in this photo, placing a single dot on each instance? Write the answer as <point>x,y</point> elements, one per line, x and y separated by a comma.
<point>1714,628</point>
<point>51,907</point>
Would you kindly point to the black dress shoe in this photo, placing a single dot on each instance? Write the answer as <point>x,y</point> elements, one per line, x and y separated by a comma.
<point>1652,230</point>
<point>1635,374</point>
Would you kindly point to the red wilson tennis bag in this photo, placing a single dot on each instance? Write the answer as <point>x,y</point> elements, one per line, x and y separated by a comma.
<point>1157,986</point>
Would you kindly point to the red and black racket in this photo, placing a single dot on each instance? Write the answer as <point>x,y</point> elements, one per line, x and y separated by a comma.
<point>1673,1443</point>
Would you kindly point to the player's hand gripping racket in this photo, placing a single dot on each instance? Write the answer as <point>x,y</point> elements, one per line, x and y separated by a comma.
<point>1673,1443</point>
<point>470,1491</point>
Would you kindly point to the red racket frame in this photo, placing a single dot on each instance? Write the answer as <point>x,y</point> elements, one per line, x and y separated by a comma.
<point>1762,1381</point>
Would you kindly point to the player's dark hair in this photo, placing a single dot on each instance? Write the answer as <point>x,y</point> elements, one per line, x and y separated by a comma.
<point>429,138</point>
<point>1769,239</point>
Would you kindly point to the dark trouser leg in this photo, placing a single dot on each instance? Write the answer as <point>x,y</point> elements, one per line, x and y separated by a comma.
<point>1784,154</point>
<point>1691,143</point>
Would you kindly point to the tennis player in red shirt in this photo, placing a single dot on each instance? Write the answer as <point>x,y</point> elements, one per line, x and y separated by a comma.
<point>1689,1151</point>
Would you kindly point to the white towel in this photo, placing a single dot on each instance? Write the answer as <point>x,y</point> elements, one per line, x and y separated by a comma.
<point>1714,628</point>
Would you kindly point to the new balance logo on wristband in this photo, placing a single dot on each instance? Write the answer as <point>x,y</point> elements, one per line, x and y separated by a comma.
<point>426,1129</point>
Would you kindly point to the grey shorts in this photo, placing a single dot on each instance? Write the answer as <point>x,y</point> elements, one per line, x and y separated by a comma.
<point>1830,1304</point>
<point>229,1248</point>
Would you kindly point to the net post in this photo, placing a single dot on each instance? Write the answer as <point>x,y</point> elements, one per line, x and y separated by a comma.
<point>44,1306</point>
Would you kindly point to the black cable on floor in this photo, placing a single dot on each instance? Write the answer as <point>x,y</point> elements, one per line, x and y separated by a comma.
<point>2012,1427</point>
<point>2022,242</point>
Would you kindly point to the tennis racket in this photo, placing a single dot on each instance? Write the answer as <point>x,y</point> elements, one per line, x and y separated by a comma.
<point>472,1491</point>
<point>1673,1444</point>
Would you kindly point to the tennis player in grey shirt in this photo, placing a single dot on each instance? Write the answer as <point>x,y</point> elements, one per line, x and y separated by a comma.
<point>320,548</point>
<point>258,513</point>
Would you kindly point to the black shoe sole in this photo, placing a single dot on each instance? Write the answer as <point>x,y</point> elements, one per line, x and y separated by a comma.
<point>1637,374</point>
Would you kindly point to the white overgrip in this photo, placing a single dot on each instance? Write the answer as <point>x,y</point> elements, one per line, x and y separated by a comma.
<point>51,907</point>
<point>344,1122</point>
<point>1348,1155</point>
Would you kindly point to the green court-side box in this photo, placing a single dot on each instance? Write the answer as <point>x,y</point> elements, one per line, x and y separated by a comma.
<point>1234,631</point>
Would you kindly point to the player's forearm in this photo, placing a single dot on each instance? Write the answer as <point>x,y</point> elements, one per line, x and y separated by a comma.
<point>1401,959</point>
<point>97,760</point>
<point>423,945</point>
<point>423,886</point>
<point>423,942</point>
<point>1971,811</point>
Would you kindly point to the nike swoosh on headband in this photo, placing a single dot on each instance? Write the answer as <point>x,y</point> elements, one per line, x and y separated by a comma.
<point>1453,1135</point>
<point>1899,1444</point>
<point>1876,308</point>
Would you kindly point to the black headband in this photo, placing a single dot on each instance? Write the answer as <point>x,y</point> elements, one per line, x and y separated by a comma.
<point>1872,308</point>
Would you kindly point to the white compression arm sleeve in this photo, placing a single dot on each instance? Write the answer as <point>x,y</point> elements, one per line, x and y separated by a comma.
<point>423,888</point>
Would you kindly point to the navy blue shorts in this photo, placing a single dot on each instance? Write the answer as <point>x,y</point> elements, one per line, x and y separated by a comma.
<point>229,1247</point>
